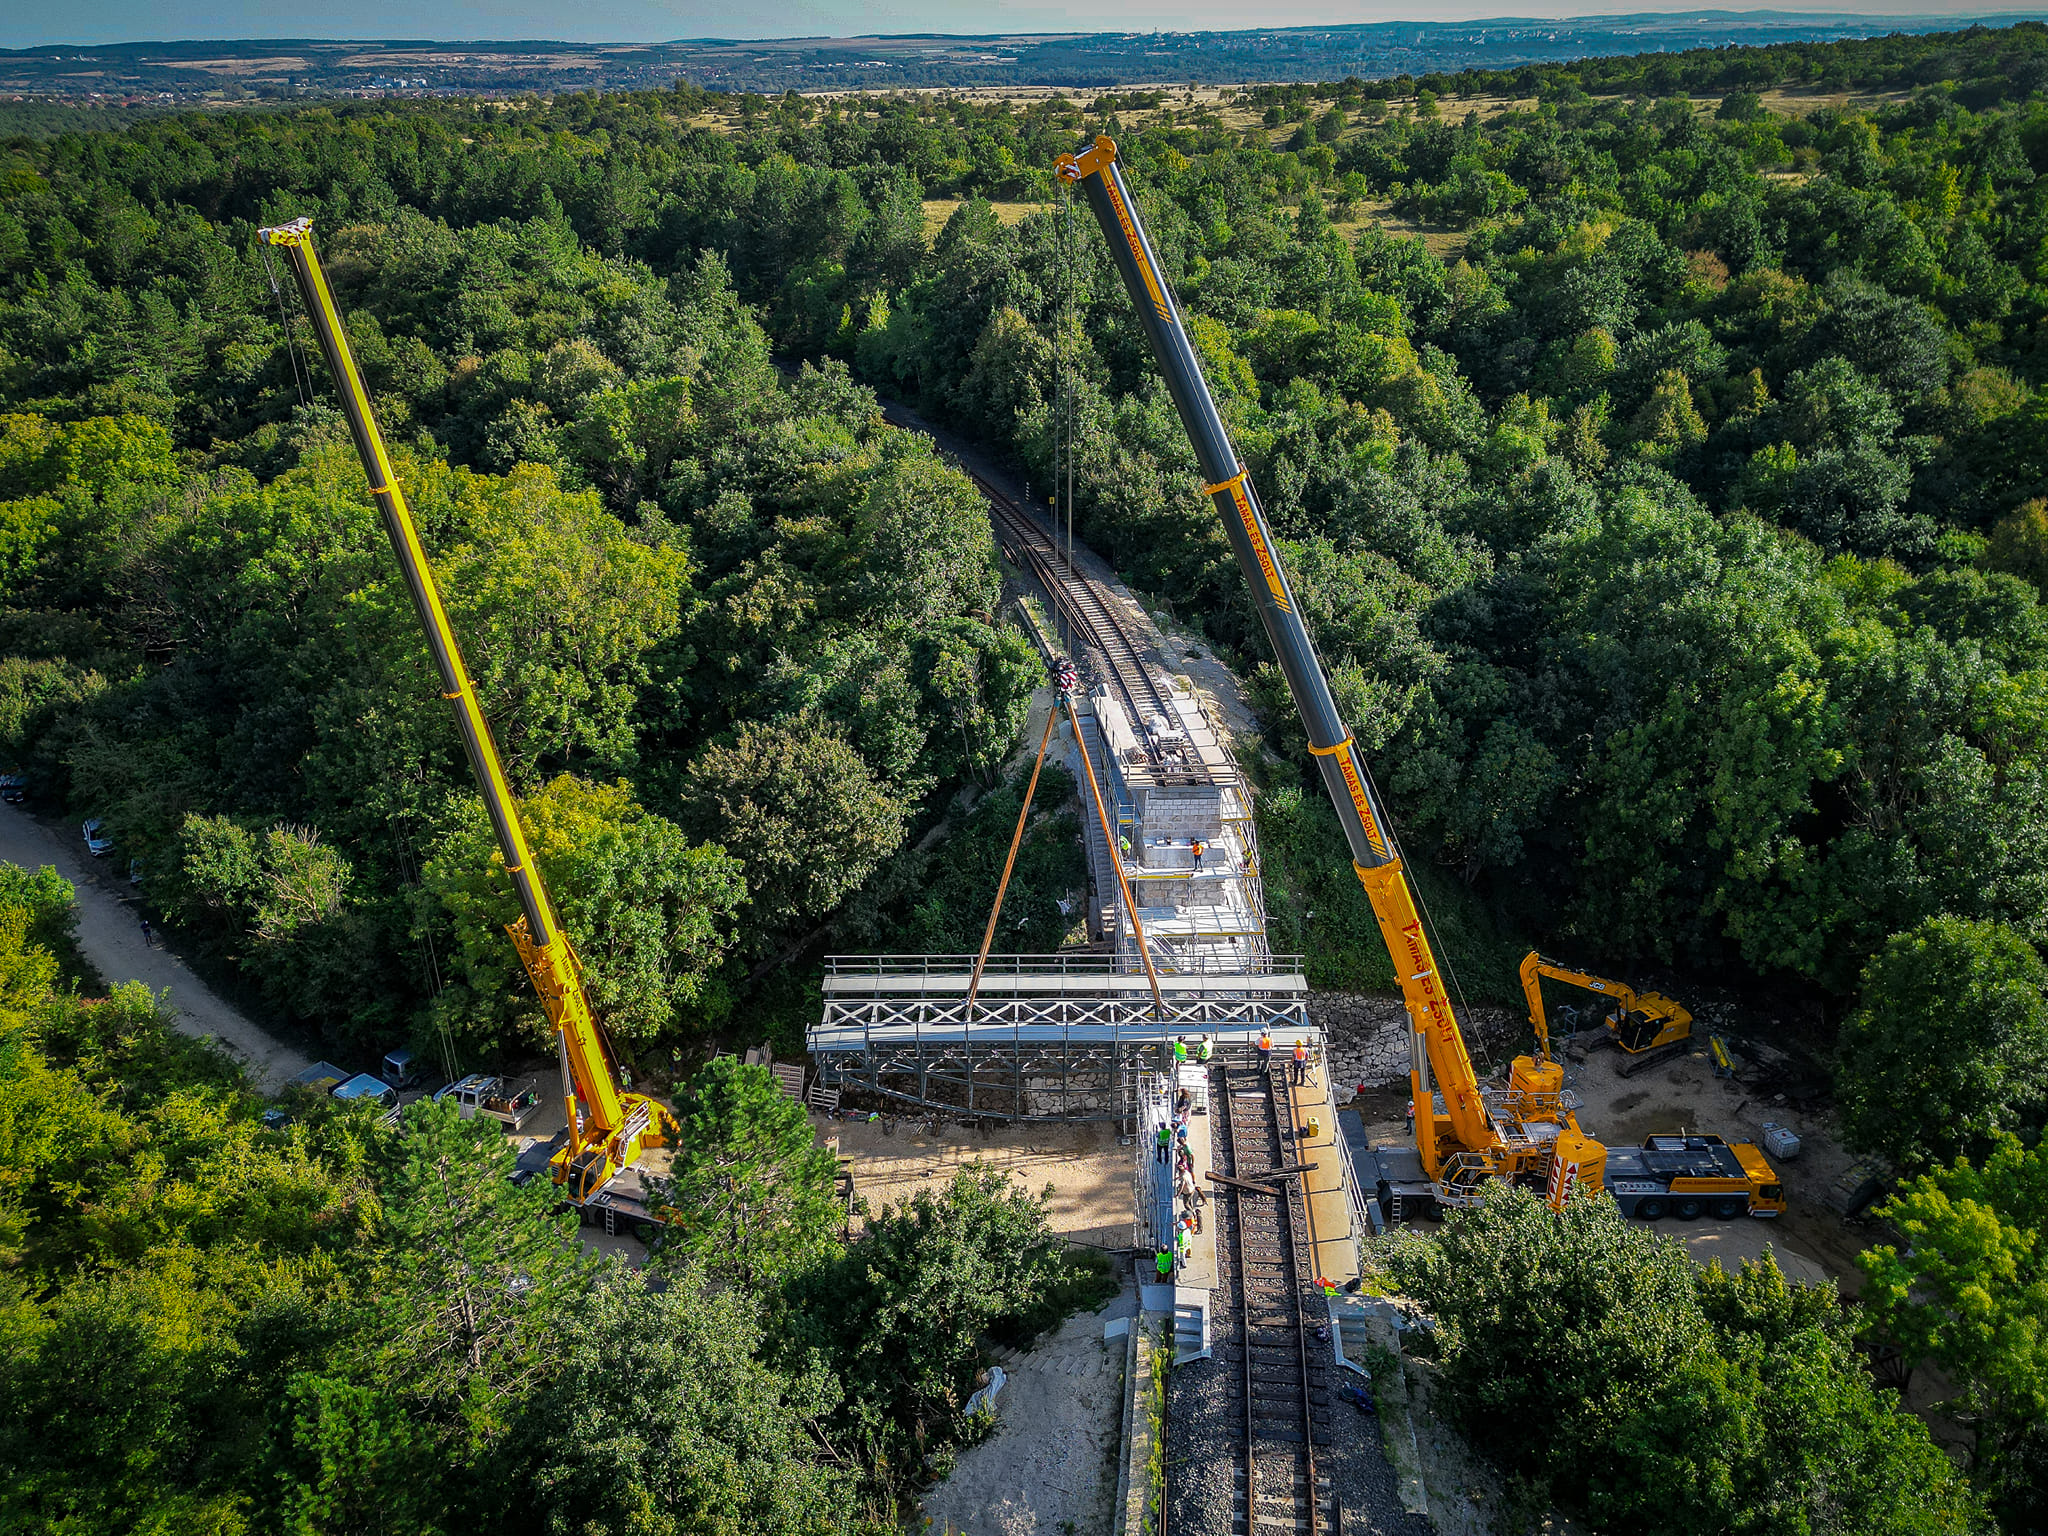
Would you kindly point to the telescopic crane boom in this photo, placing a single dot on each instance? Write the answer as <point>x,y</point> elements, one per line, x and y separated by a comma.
<point>1469,1142</point>
<point>607,1128</point>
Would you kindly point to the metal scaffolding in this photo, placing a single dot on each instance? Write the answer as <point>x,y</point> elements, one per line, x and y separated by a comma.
<point>1069,1036</point>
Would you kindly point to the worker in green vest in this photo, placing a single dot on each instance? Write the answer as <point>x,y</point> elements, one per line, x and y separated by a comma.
<point>1180,1050</point>
<point>1202,1051</point>
<point>1164,1263</point>
<point>1165,1140</point>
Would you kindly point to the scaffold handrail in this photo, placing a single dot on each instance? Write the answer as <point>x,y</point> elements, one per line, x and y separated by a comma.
<point>1093,963</point>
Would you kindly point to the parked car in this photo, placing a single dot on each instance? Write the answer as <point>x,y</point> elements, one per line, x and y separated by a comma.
<point>511,1100</point>
<point>323,1075</point>
<point>401,1069</point>
<point>13,788</point>
<point>367,1085</point>
<point>97,843</point>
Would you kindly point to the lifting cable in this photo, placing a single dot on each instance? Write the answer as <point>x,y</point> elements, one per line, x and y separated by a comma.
<point>1434,934</point>
<point>1003,885</point>
<point>301,382</point>
<point>1109,840</point>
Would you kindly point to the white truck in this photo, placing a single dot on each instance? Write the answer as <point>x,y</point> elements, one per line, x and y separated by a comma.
<point>511,1100</point>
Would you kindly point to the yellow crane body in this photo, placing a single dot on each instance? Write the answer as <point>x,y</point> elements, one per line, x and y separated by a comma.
<point>607,1128</point>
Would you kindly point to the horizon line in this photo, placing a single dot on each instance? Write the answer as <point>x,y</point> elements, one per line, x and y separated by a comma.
<point>1962,18</point>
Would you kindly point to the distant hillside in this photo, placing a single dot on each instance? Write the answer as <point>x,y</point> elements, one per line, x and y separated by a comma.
<point>140,75</point>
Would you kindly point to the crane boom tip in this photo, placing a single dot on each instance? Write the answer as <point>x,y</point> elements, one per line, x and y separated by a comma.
<point>293,233</point>
<point>1079,167</point>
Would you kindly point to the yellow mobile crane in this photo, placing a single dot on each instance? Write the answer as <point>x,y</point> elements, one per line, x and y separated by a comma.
<point>608,1129</point>
<point>1526,1133</point>
<point>1647,1026</point>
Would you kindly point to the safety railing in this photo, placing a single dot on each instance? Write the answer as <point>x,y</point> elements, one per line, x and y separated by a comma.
<point>1057,964</point>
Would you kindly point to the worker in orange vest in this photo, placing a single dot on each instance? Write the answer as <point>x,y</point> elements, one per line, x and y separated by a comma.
<point>1196,844</point>
<point>1265,1050</point>
<point>1300,1060</point>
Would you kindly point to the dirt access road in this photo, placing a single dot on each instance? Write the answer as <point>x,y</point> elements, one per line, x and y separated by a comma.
<point>1050,1468</point>
<point>110,938</point>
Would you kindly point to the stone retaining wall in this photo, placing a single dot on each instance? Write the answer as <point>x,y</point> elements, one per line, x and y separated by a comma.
<point>1368,1037</point>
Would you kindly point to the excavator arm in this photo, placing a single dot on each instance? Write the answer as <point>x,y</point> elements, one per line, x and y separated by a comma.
<point>1375,855</point>
<point>1641,1021</point>
<point>606,1127</point>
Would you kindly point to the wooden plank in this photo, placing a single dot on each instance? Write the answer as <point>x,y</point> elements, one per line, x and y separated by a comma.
<point>1288,1168</point>
<point>1257,1189</point>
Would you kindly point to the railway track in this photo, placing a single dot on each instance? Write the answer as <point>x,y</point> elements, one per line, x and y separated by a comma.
<point>1279,1376</point>
<point>1083,602</point>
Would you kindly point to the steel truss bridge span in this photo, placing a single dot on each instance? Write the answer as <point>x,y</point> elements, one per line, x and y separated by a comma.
<point>1051,1037</point>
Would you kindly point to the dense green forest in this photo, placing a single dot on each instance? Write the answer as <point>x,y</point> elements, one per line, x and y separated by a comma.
<point>1673,519</point>
<point>210,1326</point>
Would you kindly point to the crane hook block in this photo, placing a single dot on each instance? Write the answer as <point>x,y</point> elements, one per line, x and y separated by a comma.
<point>1092,159</point>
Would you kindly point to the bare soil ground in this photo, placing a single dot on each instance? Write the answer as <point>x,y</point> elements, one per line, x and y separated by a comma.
<point>1811,1242</point>
<point>1088,1174</point>
<point>1051,1466</point>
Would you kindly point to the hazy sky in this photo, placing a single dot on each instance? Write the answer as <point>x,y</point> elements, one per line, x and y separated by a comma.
<point>29,24</point>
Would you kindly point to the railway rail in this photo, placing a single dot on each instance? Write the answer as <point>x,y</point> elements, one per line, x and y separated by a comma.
<point>1083,602</point>
<point>1276,1379</point>
<point>1281,1378</point>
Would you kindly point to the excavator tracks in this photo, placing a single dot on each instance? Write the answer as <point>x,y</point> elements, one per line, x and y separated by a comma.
<point>1279,1377</point>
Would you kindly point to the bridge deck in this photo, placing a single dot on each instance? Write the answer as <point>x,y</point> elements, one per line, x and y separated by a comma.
<point>1054,984</point>
<point>1116,1022</point>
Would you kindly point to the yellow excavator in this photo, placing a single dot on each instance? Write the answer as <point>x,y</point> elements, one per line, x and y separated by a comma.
<point>1648,1027</point>
<point>1526,1132</point>
<point>599,1161</point>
